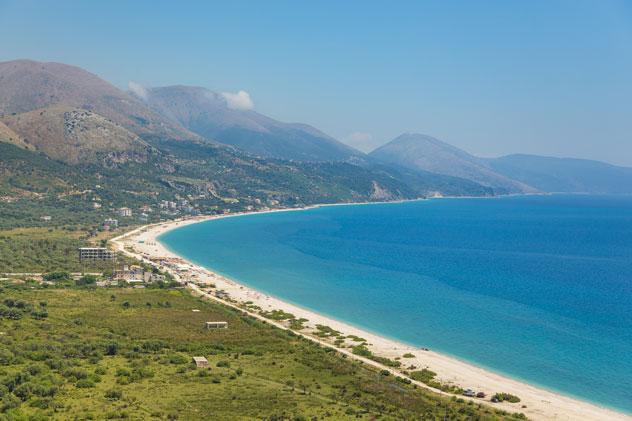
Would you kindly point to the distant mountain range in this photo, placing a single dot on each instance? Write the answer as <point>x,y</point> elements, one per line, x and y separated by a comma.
<point>69,139</point>
<point>209,115</point>
<point>421,152</point>
<point>508,174</point>
<point>178,138</point>
<point>568,175</point>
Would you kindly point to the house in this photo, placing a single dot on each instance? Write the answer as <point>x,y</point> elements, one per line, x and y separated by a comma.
<point>125,212</point>
<point>200,362</point>
<point>112,223</point>
<point>217,325</point>
<point>45,218</point>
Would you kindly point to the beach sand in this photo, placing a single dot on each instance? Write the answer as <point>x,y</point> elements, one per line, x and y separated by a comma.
<point>536,403</point>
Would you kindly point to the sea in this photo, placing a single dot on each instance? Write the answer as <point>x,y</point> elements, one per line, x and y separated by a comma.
<point>538,288</point>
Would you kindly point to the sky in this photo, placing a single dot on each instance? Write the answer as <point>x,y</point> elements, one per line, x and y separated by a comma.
<point>492,77</point>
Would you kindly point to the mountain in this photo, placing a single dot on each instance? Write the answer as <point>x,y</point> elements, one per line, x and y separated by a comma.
<point>209,115</point>
<point>27,85</point>
<point>421,152</point>
<point>74,146</point>
<point>73,135</point>
<point>565,174</point>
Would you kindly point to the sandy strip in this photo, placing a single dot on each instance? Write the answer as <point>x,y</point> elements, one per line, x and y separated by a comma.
<point>540,404</point>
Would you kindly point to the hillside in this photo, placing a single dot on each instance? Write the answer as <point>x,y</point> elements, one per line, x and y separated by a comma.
<point>9,136</point>
<point>27,85</point>
<point>209,115</point>
<point>74,135</point>
<point>565,174</point>
<point>421,152</point>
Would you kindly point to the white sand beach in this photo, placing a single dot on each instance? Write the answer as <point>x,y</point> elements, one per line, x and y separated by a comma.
<point>536,403</point>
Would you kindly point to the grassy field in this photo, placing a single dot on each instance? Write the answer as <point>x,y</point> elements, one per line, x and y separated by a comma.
<point>125,353</point>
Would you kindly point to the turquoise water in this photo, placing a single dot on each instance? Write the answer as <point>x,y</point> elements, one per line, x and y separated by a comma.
<point>539,287</point>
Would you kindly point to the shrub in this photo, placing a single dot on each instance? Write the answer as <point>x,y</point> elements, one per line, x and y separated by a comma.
<point>177,359</point>
<point>9,402</point>
<point>56,276</point>
<point>111,348</point>
<point>85,383</point>
<point>86,280</point>
<point>113,394</point>
<point>501,397</point>
<point>423,376</point>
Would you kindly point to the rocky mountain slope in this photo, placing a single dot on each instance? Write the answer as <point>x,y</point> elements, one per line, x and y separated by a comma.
<point>27,85</point>
<point>74,135</point>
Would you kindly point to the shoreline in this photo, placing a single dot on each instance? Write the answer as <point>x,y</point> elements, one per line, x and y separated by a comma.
<point>540,403</point>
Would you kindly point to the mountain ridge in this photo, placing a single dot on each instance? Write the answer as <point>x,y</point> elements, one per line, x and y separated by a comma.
<point>423,152</point>
<point>207,114</point>
<point>565,175</point>
<point>27,85</point>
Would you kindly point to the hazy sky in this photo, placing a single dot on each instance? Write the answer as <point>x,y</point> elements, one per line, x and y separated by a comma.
<point>492,77</point>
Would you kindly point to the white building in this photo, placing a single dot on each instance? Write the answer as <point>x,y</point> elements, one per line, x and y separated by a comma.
<point>125,212</point>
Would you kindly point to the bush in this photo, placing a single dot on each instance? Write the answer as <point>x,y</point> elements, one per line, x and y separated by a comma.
<point>86,280</point>
<point>111,348</point>
<point>57,276</point>
<point>423,376</point>
<point>9,402</point>
<point>501,397</point>
<point>177,359</point>
<point>76,373</point>
<point>113,394</point>
<point>85,383</point>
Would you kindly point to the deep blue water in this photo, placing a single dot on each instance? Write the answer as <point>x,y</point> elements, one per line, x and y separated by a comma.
<point>536,287</point>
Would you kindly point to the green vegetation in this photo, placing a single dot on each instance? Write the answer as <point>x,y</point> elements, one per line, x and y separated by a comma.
<point>428,377</point>
<point>355,338</point>
<point>408,355</point>
<point>326,332</point>
<point>363,351</point>
<point>277,315</point>
<point>501,397</point>
<point>46,250</point>
<point>92,358</point>
<point>297,324</point>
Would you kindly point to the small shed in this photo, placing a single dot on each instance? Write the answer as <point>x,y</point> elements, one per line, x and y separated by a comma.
<point>200,362</point>
<point>216,325</point>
